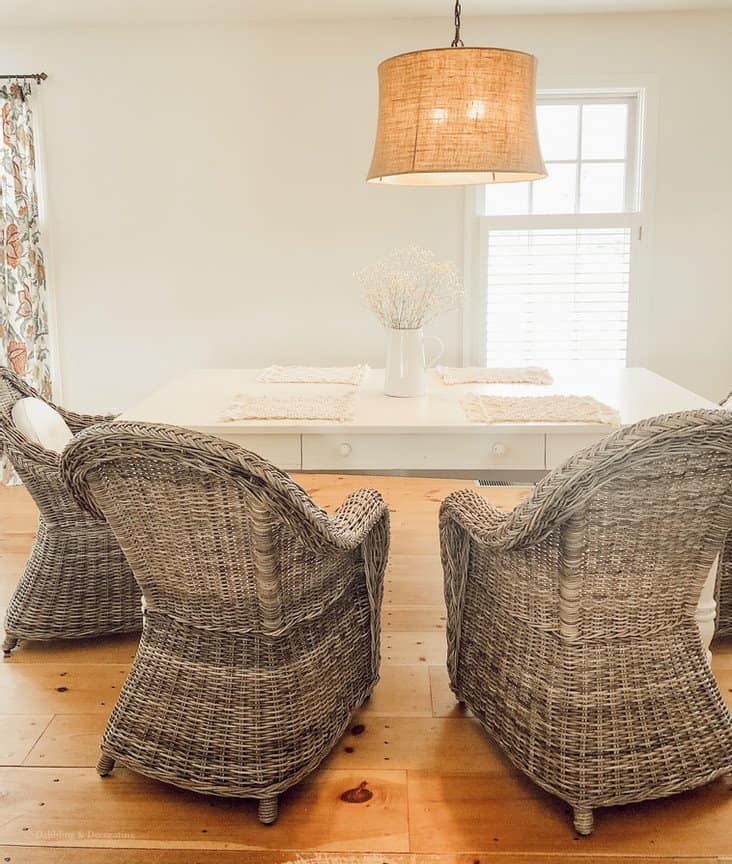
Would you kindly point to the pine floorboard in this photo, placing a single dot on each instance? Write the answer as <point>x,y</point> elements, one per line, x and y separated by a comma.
<point>442,791</point>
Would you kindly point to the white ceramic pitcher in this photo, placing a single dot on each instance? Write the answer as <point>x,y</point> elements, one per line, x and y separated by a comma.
<point>405,362</point>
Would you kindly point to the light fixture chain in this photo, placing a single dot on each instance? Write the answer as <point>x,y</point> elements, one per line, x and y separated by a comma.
<point>457,42</point>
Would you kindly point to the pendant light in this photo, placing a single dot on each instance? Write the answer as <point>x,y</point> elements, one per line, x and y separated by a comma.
<point>455,116</point>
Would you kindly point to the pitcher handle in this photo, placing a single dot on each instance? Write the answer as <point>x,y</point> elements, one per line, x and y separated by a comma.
<point>440,350</point>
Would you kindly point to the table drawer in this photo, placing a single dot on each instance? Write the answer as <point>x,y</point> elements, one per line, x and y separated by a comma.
<point>560,447</point>
<point>282,450</point>
<point>413,452</point>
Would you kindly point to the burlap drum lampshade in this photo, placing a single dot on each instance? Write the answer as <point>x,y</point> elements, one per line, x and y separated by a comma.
<point>456,116</point>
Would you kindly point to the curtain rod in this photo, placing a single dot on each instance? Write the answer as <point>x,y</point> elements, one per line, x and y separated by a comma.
<point>37,77</point>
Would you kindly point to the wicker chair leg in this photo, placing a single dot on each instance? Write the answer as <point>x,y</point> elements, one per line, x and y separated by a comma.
<point>8,644</point>
<point>584,821</point>
<point>268,810</point>
<point>105,765</point>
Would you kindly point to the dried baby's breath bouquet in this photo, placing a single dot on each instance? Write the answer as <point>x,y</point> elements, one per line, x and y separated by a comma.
<point>409,287</point>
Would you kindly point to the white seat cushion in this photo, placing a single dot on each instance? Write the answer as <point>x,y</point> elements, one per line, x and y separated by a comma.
<point>41,424</point>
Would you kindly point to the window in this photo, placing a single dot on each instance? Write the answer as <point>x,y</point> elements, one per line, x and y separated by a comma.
<point>555,256</point>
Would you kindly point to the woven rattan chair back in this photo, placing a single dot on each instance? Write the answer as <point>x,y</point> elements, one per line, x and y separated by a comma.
<point>233,546</point>
<point>571,628</point>
<point>76,582</point>
<point>262,612</point>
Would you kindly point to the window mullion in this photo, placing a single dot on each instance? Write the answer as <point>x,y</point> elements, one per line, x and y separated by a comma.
<point>578,167</point>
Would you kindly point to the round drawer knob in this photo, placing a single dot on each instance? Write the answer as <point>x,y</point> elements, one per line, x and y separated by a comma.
<point>499,449</point>
<point>344,449</point>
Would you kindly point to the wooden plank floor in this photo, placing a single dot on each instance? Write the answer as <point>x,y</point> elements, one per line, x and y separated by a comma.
<point>442,791</point>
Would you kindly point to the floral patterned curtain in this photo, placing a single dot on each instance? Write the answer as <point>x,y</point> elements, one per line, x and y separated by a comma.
<point>23,313</point>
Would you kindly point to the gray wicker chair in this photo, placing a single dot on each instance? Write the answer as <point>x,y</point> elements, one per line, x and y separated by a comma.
<point>261,630</point>
<point>724,579</point>
<point>76,582</point>
<point>571,630</point>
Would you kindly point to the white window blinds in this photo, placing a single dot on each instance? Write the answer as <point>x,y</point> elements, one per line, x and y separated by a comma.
<point>557,294</point>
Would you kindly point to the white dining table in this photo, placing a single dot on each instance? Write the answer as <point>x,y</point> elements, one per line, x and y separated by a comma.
<point>421,435</point>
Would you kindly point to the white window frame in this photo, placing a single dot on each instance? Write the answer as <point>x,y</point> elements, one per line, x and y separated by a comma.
<point>636,217</point>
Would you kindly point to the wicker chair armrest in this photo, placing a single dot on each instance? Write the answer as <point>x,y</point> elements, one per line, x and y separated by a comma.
<point>480,519</point>
<point>347,529</point>
<point>356,517</point>
<point>467,523</point>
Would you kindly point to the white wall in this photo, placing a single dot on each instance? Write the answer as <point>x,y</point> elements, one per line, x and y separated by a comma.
<point>207,207</point>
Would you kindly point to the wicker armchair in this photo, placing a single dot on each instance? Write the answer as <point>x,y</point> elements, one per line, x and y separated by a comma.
<point>571,630</point>
<point>724,578</point>
<point>261,629</point>
<point>76,582</point>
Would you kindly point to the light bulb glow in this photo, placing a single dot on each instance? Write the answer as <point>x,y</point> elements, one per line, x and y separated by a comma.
<point>476,109</point>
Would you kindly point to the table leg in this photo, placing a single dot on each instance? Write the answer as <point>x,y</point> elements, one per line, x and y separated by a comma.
<point>706,610</point>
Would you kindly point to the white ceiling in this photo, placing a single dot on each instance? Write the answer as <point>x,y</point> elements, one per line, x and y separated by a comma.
<point>54,12</point>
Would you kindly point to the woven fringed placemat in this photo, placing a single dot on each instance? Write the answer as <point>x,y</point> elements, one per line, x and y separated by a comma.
<point>494,375</point>
<point>354,375</point>
<point>257,406</point>
<point>538,409</point>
